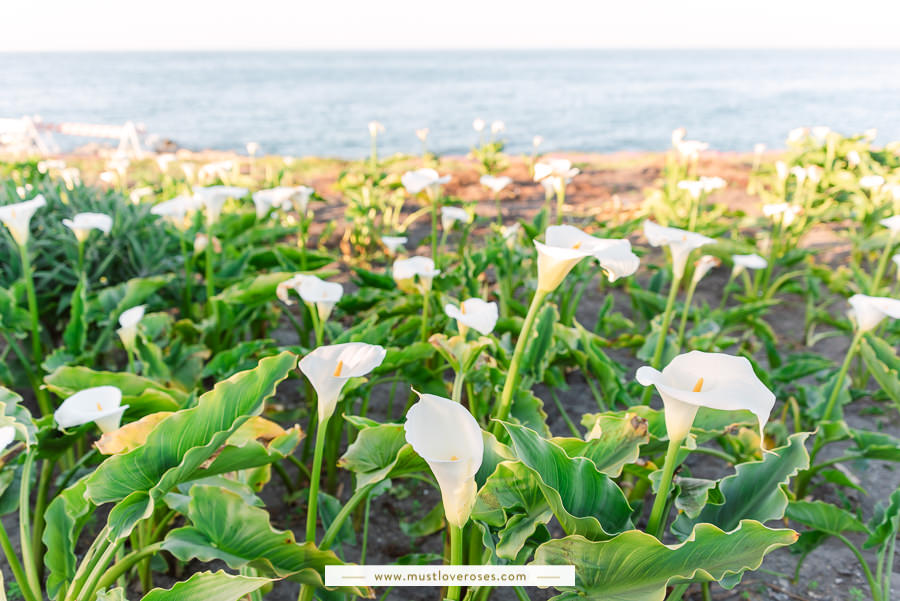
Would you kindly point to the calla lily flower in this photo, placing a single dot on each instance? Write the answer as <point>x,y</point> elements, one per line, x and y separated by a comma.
<point>537,141</point>
<point>474,313</point>
<point>375,128</point>
<point>449,439</point>
<point>782,170</point>
<point>394,243</point>
<point>177,209</point>
<point>510,233</point>
<point>329,367</point>
<point>680,243</point>
<point>892,223</point>
<point>252,148</point>
<point>753,261</point>
<point>691,149</point>
<point>704,185</point>
<point>494,183</point>
<point>703,265</point>
<point>422,134</point>
<point>798,134</point>
<point>693,187</point>
<point>314,292</point>
<point>558,171</point>
<point>17,217</point>
<point>871,182</point>
<point>7,435</point>
<point>405,271</point>
<point>424,179</point>
<point>214,197</point>
<point>497,127</point>
<point>799,173</point>
<point>782,211</point>
<point>82,224</point>
<point>868,311</point>
<point>101,405</point>
<point>452,215</point>
<point>281,197</point>
<point>759,148</point>
<point>566,245</point>
<point>129,321</point>
<point>164,160</point>
<point>820,132</point>
<point>853,158</point>
<point>715,380</point>
<point>479,125</point>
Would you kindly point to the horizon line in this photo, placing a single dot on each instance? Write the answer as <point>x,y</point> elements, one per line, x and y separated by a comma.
<point>451,49</point>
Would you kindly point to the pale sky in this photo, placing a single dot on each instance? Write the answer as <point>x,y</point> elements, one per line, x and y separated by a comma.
<point>32,25</point>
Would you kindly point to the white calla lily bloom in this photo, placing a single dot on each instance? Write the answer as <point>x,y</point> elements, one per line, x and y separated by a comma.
<point>714,380</point>
<point>556,173</point>
<point>394,243</point>
<point>214,197</point>
<point>474,313</point>
<point>703,265</point>
<point>329,367</point>
<point>449,439</point>
<point>314,291</point>
<point>177,209</point>
<point>892,223</point>
<point>17,217</point>
<point>693,187</point>
<point>452,215</point>
<point>479,125</point>
<point>537,141</point>
<point>7,435</point>
<point>280,197</point>
<point>752,261</point>
<point>680,243</point>
<point>82,224</point>
<point>783,212</point>
<point>565,245</point>
<point>853,158</point>
<point>128,322</point>
<point>871,182</point>
<point>497,127</point>
<point>868,311</point>
<point>422,134</point>
<point>494,183</point>
<point>101,405</point>
<point>424,179</point>
<point>375,128</point>
<point>405,271</point>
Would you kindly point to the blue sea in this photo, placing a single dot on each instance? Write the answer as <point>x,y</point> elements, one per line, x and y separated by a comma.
<point>319,103</point>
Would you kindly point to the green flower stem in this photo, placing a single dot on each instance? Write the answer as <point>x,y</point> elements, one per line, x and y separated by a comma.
<point>126,563</point>
<point>434,222</point>
<point>426,300</point>
<point>688,297</point>
<point>318,326</point>
<point>882,265</point>
<point>25,540</point>
<point>678,592</point>
<point>499,208</point>
<point>804,478</point>
<point>15,566</point>
<point>560,203</point>
<point>88,591</point>
<point>512,376</point>
<point>188,276</point>
<point>37,354</point>
<point>210,277</point>
<point>335,528</point>
<point>661,341</point>
<point>873,585</point>
<point>657,523</point>
<point>455,559</point>
<point>47,467</point>
<point>458,381</point>
<point>726,291</point>
<point>316,474</point>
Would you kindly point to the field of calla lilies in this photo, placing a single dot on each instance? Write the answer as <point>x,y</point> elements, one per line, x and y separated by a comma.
<point>218,379</point>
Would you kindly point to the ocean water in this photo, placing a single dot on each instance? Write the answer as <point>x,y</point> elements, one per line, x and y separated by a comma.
<point>319,103</point>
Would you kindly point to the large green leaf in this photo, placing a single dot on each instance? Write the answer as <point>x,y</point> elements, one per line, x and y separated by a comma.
<point>142,395</point>
<point>583,499</point>
<point>512,501</point>
<point>65,517</point>
<point>612,441</point>
<point>225,528</point>
<point>635,566</point>
<point>883,364</point>
<point>183,442</point>
<point>754,491</point>
<point>254,290</point>
<point>111,302</point>
<point>537,353</point>
<point>209,586</point>
<point>824,517</point>
<point>381,452</point>
<point>885,523</point>
<point>75,334</point>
